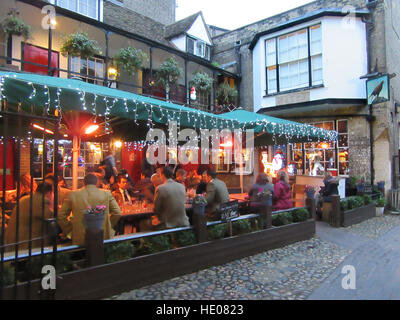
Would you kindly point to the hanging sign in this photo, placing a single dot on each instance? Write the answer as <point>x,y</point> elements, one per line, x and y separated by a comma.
<point>378,89</point>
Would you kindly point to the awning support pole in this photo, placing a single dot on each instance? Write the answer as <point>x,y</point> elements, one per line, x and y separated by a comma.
<point>75,157</point>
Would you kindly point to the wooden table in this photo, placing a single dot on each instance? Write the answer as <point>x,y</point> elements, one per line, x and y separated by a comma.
<point>242,197</point>
<point>133,217</point>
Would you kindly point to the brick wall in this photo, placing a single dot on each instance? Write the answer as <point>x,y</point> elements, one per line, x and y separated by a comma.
<point>162,11</point>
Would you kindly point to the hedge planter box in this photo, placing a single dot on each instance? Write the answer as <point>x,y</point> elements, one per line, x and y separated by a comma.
<point>109,279</point>
<point>358,215</point>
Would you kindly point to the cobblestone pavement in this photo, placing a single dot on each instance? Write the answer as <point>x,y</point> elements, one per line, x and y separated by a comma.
<point>377,267</point>
<point>376,227</point>
<point>289,273</point>
<point>305,270</point>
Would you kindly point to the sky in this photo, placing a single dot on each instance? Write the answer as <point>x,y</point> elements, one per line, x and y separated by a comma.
<point>233,14</point>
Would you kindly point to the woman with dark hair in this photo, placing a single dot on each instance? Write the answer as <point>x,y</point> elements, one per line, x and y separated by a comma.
<point>263,185</point>
<point>282,192</point>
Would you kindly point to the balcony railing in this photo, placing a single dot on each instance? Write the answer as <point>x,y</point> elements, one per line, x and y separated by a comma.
<point>105,82</point>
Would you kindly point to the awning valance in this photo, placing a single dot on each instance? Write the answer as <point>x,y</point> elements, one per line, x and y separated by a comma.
<point>273,130</point>
<point>35,93</point>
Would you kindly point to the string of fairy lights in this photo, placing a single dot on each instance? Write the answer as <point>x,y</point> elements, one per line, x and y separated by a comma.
<point>150,113</point>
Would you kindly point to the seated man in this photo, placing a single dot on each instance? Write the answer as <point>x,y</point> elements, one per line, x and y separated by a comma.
<point>78,202</point>
<point>121,192</point>
<point>169,202</point>
<point>143,182</point>
<point>217,193</point>
<point>38,212</point>
<point>181,176</point>
<point>62,192</point>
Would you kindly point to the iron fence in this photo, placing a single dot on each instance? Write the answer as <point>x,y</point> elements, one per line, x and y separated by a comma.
<point>28,207</point>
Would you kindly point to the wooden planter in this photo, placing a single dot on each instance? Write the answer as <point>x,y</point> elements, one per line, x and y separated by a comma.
<point>358,215</point>
<point>106,280</point>
<point>339,218</point>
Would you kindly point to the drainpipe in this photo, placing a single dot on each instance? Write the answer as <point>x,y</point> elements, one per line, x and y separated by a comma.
<point>370,118</point>
<point>239,67</point>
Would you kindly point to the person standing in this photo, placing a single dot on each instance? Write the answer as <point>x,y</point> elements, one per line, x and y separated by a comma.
<point>78,202</point>
<point>169,202</point>
<point>216,193</point>
<point>282,192</point>
<point>263,184</point>
<point>110,166</point>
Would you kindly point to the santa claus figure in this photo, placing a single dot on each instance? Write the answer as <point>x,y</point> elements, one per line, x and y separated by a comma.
<point>277,161</point>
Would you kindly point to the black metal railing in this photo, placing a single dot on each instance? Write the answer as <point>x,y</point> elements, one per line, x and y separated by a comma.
<point>24,209</point>
<point>108,83</point>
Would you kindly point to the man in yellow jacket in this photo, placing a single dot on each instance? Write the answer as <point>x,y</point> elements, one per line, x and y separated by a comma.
<point>78,201</point>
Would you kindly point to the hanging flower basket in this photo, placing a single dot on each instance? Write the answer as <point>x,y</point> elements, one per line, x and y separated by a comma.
<point>226,95</point>
<point>202,82</point>
<point>130,60</point>
<point>93,217</point>
<point>13,25</point>
<point>79,45</point>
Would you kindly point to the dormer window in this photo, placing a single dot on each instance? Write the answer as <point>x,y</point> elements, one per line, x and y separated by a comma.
<point>198,48</point>
<point>89,8</point>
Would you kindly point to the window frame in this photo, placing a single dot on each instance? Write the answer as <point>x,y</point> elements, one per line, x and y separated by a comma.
<point>294,147</point>
<point>87,78</point>
<point>278,64</point>
<point>98,8</point>
<point>206,51</point>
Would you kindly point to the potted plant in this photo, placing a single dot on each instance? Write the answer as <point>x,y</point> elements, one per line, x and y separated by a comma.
<point>130,60</point>
<point>168,74</point>
<point>93,217</point>
<point>226,95</point>
<point>202,82</point>
<point>79,45</point>
<point>14,25</point>
<point>310,191</point>
<point>360,185</point>
<point>380,207</point>
<point>199,204</point>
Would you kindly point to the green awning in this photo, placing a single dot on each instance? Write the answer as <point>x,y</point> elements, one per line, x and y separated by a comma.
<point>36,93</point>
<point>270,130</point>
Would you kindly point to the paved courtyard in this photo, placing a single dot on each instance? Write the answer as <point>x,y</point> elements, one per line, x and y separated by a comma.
<point>305,270</point>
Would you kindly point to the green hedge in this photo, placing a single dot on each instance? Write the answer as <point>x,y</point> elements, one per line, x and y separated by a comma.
<point>185,238</point>
<point>288,217</point>
<point>354,202</point>
<point>241,227</point>
<point>281,219</point>
<point>217,231</point>
<point>8,274</point>
<point>153,244</point>
<point>118,251</point>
